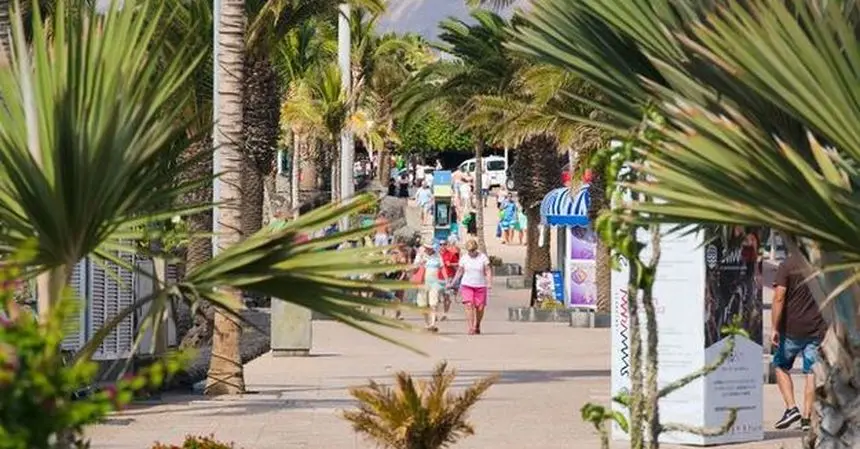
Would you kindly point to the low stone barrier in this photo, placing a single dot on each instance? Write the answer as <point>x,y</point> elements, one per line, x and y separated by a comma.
<point>537,315</point>
<point>586,318</point>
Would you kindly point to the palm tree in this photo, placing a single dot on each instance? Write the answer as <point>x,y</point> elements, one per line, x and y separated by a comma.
<point>303,50</point>
<point>318,107</point>
<point>744,137</point>
<point>482,67</point>
<point>416,414</point>
<point>83,182</point>
<point>538,115</point>
<point>226,375</point>
<point>269,23</point>
<point>384,66</point>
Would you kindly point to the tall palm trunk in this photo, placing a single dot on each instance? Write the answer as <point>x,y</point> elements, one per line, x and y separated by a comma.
<point>197,330</point>
<point>836,424</point>
<point>479,194</point>
<point>225,368</point>
<point>295,168</point>
<point>384,162</point>
<point>602,257</point>
<point>538,172</point>
<point>261,115</point>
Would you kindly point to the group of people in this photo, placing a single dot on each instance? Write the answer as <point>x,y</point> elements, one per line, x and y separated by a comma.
<point>442,274</point>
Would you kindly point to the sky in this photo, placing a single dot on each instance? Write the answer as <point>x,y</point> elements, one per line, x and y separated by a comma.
<point>422,16</point>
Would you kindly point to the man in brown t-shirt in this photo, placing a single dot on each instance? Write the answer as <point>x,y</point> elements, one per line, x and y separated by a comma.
<point>797,331</point>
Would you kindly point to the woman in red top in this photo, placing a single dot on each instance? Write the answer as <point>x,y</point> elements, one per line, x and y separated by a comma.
<point>450,261</point>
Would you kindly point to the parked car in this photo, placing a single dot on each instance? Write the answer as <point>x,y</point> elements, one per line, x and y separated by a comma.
<point>495,167</point>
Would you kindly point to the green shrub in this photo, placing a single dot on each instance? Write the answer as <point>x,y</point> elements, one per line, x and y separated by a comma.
<point>38,408</point>
<point>416,414</point>
<point>197,442</point>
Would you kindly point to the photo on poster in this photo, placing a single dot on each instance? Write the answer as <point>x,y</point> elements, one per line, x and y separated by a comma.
<point>548,287</point>
<point>583,289</point>
<point>583,242</point>
<point>733,285</point>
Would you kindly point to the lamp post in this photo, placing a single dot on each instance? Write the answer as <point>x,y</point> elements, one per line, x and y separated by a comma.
<point>347,142</point>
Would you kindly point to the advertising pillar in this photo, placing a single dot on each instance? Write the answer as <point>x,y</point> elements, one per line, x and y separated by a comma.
<point>715,282</point>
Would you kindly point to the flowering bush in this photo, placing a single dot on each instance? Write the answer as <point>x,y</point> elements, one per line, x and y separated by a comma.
<point>38,408</point>
<point>197,442</point>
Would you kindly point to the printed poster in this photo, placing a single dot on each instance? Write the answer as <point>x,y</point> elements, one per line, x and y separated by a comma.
<point>583,243</point>
<point>583,288</point>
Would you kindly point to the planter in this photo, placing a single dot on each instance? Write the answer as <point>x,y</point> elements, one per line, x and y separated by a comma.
<point>508,269</point>
<point>518,283</point>
<point>587,318</point>
<point>536,315</point>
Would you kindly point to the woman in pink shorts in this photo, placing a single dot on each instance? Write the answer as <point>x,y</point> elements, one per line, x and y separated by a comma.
<point>474,274</point>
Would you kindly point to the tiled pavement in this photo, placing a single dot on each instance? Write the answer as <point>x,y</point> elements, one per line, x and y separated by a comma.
<point>547,372</point>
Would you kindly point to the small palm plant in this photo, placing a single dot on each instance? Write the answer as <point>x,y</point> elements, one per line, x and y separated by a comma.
<point>416,414</point>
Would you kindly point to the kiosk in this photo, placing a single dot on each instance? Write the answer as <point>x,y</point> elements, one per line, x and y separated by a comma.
<point>443,192</point>
<point>567,210</point>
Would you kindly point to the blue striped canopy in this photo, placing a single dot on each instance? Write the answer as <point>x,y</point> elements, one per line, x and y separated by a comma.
<point>558,208</point>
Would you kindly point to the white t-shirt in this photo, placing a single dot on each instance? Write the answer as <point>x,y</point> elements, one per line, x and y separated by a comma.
<point>474,270</point>
<point>485,182</point>
<point>465,190</point>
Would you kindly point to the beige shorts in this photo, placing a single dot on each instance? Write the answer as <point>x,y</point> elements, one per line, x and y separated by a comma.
<point>429,297</point>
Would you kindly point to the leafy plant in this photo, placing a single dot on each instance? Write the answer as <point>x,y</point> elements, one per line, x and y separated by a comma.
<point>39,403</point>
<point>416,414</point>
<point>551,304</point>
<point>197,442</point>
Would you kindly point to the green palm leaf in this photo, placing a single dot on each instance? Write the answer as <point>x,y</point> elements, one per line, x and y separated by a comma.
<point>105,105</point>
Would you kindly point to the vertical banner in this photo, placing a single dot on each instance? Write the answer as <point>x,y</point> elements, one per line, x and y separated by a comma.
<point>579,268</point>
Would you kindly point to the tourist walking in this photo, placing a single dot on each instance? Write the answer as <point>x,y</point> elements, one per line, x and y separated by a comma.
<point>450,254</point>
<point>475,278</point>
<point>797,331</point>
<point>403,185</point>
<point>509,219</point>
<point>433,277</point>
<point>424,201</point>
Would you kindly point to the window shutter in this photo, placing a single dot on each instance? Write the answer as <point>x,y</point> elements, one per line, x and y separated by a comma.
<point>75,325</point>
<point>111,290</point>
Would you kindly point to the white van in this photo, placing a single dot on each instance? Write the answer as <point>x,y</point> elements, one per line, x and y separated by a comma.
<point>495,167</point>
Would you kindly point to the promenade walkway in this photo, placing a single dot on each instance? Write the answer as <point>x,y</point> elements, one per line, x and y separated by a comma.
<point>547,372</point>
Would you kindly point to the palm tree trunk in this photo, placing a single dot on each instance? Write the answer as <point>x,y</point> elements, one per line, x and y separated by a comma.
<point>195,331</point>
<point>261,115</point>
<point>298,153</point>
<point>479,195</point>
<point>538,172</point>
<point>603,257</point>
<point>383,162</point>
<point>225,368</point>
<point>335,172</point>
<point>835,421</point>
